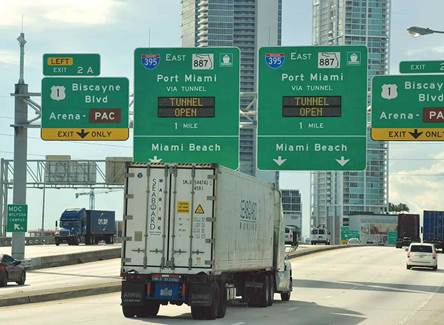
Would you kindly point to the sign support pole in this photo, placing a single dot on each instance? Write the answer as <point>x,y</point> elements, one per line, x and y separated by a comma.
<point>20,150</point>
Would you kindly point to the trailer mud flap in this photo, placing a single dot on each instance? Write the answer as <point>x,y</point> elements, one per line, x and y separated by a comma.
<point>132,293</point>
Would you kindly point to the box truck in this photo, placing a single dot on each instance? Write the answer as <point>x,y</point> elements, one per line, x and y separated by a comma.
<point>201,235</point>
<point>408,229</point>
<point>85,226</point>
<point>433,230</point>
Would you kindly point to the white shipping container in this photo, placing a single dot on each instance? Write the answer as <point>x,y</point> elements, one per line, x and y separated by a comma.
<point>185,220</point>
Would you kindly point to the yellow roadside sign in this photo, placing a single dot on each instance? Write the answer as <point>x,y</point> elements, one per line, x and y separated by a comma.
<point>85,134</point>
<point>408,134</point>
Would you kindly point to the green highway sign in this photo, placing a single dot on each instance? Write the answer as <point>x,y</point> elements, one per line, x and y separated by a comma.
<point>186,105</point>
<point>71,64</point>
<point>392,236</point>
<point>408,108</point>
<point>312,108</point>
<point>17,218</point>
<point>421,67</point>
<point>347,233</point>
<point>85,109</point>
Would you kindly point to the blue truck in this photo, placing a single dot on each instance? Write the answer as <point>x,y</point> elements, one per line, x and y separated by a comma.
<point>433,231</point>
<point>85,226</point>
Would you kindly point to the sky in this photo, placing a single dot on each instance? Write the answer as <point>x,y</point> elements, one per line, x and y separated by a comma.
<point>114,28</point>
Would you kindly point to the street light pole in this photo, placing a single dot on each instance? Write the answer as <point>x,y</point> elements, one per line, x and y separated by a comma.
<point>416,31</point>
<point>20,149</point>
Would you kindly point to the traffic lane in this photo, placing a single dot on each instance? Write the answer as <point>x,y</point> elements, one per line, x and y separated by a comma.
<point>372,281</point>
<point>349,286</point>
<point>105,309</point>
<point>32,251</point>
<point>107,271</point>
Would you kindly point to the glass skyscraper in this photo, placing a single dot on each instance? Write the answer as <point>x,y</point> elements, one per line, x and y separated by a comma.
<point>335,194</point>
<point>247,24</point>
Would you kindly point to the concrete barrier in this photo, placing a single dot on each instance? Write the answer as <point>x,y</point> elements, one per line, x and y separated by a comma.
<point>317,249</point>
<point>70,259</point>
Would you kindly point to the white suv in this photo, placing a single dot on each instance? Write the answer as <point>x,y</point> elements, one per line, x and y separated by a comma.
<point>422,255</point>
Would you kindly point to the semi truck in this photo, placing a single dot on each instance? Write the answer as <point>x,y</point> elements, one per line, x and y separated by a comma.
<point>85,226</point>
<point>433,230</point>
<point>201,235</point>
<point>408,229</point>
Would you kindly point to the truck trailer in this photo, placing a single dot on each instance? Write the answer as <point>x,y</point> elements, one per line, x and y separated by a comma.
<point>202,235</point>
<point>433,230</point>
<point>408,229</point>
<point>86,226</point>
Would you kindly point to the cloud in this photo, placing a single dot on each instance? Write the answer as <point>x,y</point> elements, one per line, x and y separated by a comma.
<point>9,57</point>
<point>426,51</point>
<point>421,188</point>
<point>47,12</point>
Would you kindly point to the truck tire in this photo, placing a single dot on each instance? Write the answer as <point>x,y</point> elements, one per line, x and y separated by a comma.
<point>208,312</point>
<point>285,296</point>
<point>149,309</point>
<point>129,311</point>
<point>222,306</point>
<point>259,297</point>
<point>271,299</point>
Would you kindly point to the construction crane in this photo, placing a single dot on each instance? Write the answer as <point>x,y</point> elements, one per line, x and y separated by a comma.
<point>92,196</point>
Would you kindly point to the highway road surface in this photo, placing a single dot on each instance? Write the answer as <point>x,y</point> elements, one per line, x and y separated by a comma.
<point>101,272</point>
<point>362,285</point>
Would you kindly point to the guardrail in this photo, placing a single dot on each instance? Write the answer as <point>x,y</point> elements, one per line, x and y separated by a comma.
<point>43,240</point>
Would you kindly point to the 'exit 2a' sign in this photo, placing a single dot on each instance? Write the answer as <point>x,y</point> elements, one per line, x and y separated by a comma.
<point>71,64</point>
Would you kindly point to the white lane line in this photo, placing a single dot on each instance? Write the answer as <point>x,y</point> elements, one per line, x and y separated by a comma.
<point>240,323</point>
<point>408,317</point>
<point>293,308</point>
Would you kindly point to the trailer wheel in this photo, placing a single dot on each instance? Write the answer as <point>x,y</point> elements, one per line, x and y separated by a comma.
<point>149,309</point>
<point>259,297</point>
<point>129,311</point>
<point>222,306</point>
<point>271,298</point>
<point>208,312</point>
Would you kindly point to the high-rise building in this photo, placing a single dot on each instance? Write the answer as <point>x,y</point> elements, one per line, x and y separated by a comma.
<point>292,209</point>
<point>248,25</point>
<point>335,194</point>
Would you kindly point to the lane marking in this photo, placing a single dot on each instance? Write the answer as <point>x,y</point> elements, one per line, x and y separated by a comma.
<point>293,308</point>
<point>413,314</point>
<point>240,323</point>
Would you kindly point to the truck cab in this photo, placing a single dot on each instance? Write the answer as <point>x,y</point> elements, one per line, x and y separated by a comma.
<point>72,227</point>
<point>320,235</point>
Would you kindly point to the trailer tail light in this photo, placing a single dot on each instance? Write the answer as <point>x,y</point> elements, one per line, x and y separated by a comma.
<point>148,289</point>
<point>184,290</point>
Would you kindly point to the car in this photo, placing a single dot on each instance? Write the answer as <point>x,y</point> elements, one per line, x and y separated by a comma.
<point>353,241</point>
<point>422,255</point>
<point>11,270</point>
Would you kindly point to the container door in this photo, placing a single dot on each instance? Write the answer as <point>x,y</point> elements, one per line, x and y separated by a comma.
<point>191,218</point>
<point>145,225</point>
